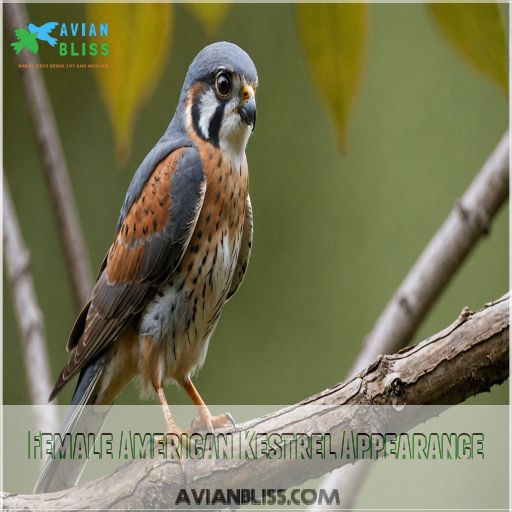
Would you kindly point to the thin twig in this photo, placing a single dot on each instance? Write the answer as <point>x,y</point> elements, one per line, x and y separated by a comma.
<point>54,163</point>
<point>28,315</point>
<point>469,221</point>
<point>466,358</point>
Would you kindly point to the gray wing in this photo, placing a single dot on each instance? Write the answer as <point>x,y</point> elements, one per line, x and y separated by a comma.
<point>245,250</point>
<point>153,235</point>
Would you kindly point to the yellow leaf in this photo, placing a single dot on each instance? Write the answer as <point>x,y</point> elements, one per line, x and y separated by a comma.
<point>334,38</point>
<point>139,42</point>
<point>210,15</point>
<point>478,32</point>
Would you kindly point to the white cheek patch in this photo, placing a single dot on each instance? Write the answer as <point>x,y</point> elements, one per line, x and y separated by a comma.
<point>234,133</point>
<point>208,106</point>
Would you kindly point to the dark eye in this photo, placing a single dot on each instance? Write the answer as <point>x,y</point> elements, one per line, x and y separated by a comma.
<point>223,84</point>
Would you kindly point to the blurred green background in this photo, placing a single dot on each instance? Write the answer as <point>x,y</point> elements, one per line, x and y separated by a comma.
<point>334,233</point>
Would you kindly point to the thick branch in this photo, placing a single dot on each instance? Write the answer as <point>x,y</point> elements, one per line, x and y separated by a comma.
<point>467,358</point>
<point>54,164</point>
<point>28,315</point>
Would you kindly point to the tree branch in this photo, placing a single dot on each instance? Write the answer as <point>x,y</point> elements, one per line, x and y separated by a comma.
<point>469,220</point>
<point>54,164</point>
<point>466,358</point>
<point>28,315</point>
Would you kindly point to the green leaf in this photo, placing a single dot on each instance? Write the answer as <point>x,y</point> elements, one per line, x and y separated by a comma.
<point>211,15</point>
<point>478,32</point>
<point>334,39</point>
<point>139,43</point>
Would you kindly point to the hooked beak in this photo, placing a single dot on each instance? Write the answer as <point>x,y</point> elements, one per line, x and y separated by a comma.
<point>248,112</point>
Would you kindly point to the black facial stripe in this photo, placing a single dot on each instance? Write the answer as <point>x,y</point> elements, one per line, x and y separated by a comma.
<point>215,122</point>
<point>196,116</point>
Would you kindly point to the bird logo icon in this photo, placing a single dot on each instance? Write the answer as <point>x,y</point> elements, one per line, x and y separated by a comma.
<point>27,38</point>
<point>43,32</point>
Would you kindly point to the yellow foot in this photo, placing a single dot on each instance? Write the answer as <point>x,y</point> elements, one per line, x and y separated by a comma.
<point>207,422</point>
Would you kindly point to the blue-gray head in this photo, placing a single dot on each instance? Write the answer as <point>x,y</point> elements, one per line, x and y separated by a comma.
<point>218,96</point>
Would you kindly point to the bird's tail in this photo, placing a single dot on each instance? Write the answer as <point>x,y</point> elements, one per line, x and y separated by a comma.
<point>18,46</point>
<point>84,417</point>
<point>52,41</point>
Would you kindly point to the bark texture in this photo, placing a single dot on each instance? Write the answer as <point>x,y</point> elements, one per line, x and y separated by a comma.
<point>468,222</point>
<point>466,358</point>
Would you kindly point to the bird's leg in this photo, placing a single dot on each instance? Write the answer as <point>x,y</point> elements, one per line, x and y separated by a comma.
<point>172,428</point>
<point>205,420</point>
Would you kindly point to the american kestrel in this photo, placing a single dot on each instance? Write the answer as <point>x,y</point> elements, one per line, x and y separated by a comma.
<point>181,245</point>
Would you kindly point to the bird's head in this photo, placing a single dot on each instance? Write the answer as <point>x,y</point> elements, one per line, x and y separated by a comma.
<point>219,94</point>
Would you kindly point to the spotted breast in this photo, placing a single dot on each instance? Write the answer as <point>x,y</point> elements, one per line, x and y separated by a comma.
<point>177,323</point>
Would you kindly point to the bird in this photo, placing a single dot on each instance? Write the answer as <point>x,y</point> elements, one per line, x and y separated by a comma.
<point>180,251</point>
<point>25,40</point>
<point>43,32</point>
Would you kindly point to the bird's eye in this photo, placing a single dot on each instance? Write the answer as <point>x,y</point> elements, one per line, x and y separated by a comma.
<point>223,84</point>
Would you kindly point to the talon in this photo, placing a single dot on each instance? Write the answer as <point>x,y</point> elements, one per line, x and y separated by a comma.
<point>231,420</point>
<point>223,420</point>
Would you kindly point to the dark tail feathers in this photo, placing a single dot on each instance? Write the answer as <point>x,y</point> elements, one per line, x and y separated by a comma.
<point>84,416</point>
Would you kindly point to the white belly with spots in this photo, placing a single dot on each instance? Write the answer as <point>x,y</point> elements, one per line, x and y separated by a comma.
<point>182,316</point>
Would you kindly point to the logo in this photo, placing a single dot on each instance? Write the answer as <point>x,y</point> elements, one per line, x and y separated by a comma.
<point>27,38</point>
<point>32,36</point>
